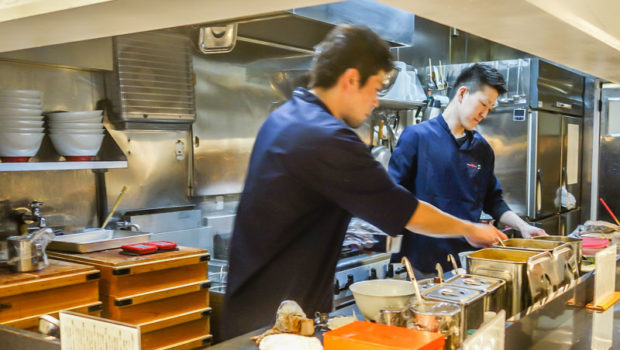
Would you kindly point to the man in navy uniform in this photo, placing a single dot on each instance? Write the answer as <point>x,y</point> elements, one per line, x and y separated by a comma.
<point>308,173</point>
<point>446,163</point>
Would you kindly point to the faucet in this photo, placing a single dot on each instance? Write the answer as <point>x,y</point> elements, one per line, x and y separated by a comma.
<point>27,216</point>
<point>124,225</point>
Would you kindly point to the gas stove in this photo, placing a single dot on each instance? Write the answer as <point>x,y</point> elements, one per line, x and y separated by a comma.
<point>356,267</point>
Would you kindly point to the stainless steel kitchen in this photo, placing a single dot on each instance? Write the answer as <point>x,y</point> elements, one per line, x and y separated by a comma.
<point>309,174</point>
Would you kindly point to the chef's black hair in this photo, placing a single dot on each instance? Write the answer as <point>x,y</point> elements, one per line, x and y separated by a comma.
<point>349,47</point>
<point>478,75</point>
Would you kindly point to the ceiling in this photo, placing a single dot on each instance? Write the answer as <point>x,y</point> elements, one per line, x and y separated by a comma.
<point>584,35</point>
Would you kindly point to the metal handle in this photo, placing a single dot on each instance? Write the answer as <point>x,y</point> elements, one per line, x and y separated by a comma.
<point>562,225</point>
<point>559,104</point>
<point>538,191</point>
<point>564,177</point>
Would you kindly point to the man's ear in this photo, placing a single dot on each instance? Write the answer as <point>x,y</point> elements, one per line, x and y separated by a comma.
<point>460,93</point>
<point>350,78</point>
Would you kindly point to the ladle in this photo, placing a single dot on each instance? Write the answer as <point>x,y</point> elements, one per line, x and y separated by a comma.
<point>407,264</point>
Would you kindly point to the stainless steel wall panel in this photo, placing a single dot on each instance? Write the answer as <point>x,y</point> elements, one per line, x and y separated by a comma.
<point>155,177</point>
<point>231,106</point>
<point>508,138</point>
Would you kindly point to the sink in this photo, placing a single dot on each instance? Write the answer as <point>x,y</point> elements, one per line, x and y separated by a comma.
<point>95,240</point>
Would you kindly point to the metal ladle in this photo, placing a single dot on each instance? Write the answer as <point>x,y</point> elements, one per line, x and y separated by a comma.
<point>409,268</point>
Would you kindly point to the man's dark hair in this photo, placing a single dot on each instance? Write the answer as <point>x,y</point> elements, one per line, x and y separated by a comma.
<point>349,47</point>
<point>478,75</point>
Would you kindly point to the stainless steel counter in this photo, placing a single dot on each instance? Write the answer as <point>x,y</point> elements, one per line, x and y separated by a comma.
<point>554,326</point>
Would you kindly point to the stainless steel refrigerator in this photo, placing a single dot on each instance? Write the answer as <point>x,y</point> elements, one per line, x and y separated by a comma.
<point>536,133</point>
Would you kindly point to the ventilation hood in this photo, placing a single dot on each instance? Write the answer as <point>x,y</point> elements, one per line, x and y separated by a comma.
<point>296,32</point>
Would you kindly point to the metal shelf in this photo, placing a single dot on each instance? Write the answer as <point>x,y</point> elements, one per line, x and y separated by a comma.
<point>42,166</point>
<point>397,104</point>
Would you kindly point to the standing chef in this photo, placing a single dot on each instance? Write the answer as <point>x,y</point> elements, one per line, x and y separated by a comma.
<point>308,173</point>
<point>446,163</point>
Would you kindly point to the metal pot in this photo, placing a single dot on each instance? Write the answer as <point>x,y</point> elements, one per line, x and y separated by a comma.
<point>510,265</point>
<point>471,302</point>
<point>27,252</point>
<point>575,243</point>
<point>495,289</point>
<point>440,317</point>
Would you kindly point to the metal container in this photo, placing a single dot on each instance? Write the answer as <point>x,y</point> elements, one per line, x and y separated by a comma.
<point>27,252</point>
<point>509,265</point>
<point>575,243</point>
<point>495,288</point>
<point>471,302</point>
<point>564,263</point>
<point>97,240</point>
<point>435,316</point>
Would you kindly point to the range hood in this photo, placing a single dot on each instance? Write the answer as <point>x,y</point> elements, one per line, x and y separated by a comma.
<point>296,32</point>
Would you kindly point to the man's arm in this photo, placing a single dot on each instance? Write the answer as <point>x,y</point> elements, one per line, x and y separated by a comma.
<point>527,231</point>
<point>428,220</point>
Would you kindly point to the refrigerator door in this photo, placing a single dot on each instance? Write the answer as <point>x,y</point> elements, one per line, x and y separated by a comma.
<point>551,224</point>
<point>571,156</point>
<point>544,164</point>
<point>506,132</point>
<point>556,89</point>
<point>569,222</point>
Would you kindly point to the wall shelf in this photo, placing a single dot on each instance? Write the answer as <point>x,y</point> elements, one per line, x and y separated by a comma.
<point>42,166</point>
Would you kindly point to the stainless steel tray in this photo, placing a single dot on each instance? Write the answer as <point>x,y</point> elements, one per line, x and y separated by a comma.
<point>93,241</point>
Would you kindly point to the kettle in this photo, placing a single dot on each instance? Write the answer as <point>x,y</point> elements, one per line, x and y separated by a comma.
<point>27,252</point>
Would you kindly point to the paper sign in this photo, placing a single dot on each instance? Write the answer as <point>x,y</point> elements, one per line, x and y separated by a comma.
<point>79,332</point>
<point>572,154</point>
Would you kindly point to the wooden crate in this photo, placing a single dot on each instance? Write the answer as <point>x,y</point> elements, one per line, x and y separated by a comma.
<point>137,313</point>
<point>60,286</point>
<point>176,335</point>
<point>123,275</point>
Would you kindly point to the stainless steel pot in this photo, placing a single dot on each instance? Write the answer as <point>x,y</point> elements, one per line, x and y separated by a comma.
<point>575,243</point>
<point>564,263</point>
<point>27,252</point>
<point>471,302</point>
<point>511,265</point>
<point>440,317</point>
<point>495,289</point>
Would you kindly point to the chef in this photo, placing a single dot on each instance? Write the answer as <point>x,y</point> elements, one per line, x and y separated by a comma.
<point>308,173</point>
<point>446,163</point>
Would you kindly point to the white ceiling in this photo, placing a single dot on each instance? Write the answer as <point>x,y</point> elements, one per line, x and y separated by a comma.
<point>581,34</point>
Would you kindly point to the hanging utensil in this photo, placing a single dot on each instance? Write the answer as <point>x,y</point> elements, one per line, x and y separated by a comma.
<point>116,203</point>
<point>409,268</point>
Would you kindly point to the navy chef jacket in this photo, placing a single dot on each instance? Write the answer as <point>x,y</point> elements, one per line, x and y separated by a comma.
<point>308,173</point>
<point>458,179</point>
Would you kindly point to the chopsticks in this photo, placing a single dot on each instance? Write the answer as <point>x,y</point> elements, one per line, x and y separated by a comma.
<point>609,211</point>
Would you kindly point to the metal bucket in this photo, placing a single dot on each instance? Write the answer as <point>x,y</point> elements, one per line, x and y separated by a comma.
<point>437,317</point>
<point>575,243</point>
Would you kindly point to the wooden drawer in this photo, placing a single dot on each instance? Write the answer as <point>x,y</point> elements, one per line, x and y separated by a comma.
<point>137,313</point>
<point>160,323</point>
<point>32,322</point>
<point>194,343</point>
<point>166,337</point>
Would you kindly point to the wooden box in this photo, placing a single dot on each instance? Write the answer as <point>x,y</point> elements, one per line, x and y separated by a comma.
<point>60,286</point>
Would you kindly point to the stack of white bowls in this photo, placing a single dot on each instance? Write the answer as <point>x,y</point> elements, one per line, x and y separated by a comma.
<point>21,124</point>
<point>76,135</point>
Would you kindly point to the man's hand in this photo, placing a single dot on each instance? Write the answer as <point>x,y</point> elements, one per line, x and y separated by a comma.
<point>483,235</point>
<point>530,231</point>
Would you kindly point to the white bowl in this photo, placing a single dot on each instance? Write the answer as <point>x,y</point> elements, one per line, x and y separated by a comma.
<point>77,144</point>
<point>82,114</point>
<point>6,118</point>
<point>21,123</point>
<point>20,105</point>
<point>57,125</point>
<point>77,131</point>
<point>74,119</point>
<point>21,93</point>
<point>20,144</point>
<point>374,295</point>
<point>16,112</point>
<point>28,101</point>
<point>22,130</point>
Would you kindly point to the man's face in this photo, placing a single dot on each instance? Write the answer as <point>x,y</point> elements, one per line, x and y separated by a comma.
<point>362,99</point>
<point>475,107</point>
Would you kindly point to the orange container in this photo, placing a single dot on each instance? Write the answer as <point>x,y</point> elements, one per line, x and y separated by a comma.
<point>373,336</point>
